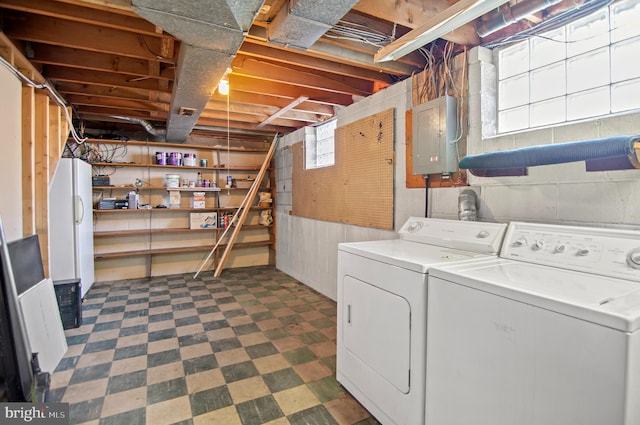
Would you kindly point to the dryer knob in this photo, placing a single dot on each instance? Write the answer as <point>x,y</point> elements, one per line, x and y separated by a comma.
<point>583,252</point>
<point>415,227</point>
<point>537,245</point>
<point>520,242</point>
<point>560,249</point>
<point>633,258</point>
<point>483,234</point>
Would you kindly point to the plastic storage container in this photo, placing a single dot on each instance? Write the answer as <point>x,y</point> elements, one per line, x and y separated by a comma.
<point>69,302</point>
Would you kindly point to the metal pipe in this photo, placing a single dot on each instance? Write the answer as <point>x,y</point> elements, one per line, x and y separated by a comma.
<point>507,15</point>
<point>147,125</point>
<point>468,205</point>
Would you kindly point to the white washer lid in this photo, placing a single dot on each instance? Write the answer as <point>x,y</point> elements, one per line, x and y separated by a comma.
<point>414,256</point>
<point>610,302</point>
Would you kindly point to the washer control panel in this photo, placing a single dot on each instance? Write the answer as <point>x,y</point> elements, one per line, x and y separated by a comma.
<point>608,252</point>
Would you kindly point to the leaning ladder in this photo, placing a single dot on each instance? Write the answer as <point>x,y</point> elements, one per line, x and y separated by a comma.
<point>240,215</point>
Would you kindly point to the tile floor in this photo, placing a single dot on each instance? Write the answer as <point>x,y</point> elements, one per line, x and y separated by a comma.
<point>253,347</point>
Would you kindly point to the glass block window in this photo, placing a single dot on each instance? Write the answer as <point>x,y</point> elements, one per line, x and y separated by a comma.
<point>585,69</point>
<point>320,146</point>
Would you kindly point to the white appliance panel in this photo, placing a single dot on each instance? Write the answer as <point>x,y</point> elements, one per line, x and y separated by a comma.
<point>71,223</point>
<point>514,363</point>
<point>44,325</point>
<point>474,236</point>
<point>604,252</point>
<point>376,319</point>
<point>382,285</point>
<point>373,390</point>
<point>606,301</point>
<point>83,218</point>
<point>62,228</point>
<point>406,254</point>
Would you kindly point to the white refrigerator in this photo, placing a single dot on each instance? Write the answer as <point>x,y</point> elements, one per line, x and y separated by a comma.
<point>71,223</point>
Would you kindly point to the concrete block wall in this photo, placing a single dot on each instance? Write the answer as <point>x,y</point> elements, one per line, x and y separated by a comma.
<point>307,249</point>
<point>561,193</point>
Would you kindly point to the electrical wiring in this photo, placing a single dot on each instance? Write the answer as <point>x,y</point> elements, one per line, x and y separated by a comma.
<point>552,23</point>
<point>360,33</point>
<point>54,94</point>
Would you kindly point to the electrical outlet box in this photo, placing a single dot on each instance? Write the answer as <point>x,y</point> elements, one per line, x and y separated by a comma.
<point>435,129</point>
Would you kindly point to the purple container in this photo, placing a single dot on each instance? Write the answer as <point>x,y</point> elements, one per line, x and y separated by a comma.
<point>207,183</point>
<point>161,158</point>
<point>175,158</point>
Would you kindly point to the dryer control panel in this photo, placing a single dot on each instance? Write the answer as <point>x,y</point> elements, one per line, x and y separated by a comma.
<point>607,252</point>
<point>474,236</point>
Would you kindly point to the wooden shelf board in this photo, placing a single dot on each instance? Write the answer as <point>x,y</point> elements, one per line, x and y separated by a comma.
<point>193,189</point>
<point>177,250</point>
<point>148,210</point>
<point>165,231</point>
<point>143,188</point>
<point>175,167</point>
<point>173,145</point>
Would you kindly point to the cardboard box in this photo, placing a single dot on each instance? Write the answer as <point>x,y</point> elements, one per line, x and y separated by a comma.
<point>203,220</point>
<point>198,200</point>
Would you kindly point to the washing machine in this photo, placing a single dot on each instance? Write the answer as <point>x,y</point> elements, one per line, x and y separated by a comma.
<point>382,300</point>
<point>546,334</point>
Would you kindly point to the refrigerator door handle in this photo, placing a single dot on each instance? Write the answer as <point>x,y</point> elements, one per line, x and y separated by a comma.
<point>79,213</point>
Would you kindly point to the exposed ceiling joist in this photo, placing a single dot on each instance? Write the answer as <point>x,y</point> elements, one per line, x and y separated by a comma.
<point>106,59</point>
<point>282,111</point>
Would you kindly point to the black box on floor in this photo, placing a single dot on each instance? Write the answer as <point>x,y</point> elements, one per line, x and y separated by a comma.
<point>69,298</point>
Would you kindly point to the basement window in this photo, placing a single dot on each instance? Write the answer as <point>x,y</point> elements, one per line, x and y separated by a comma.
<point>320,145</point>
<point>584,69</point>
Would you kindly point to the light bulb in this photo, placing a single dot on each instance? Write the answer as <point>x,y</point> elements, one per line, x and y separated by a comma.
<point>223,87</point>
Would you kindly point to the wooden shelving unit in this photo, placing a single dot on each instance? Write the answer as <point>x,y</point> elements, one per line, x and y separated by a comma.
<point>182,250</point>
<point>148,241</point>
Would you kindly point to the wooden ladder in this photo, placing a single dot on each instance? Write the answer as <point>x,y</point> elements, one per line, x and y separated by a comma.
<point>240,215</point>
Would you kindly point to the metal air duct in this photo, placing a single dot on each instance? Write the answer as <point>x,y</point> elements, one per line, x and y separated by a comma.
<point>507,15</point>
<point>302,22</point>
<point>211,32</point>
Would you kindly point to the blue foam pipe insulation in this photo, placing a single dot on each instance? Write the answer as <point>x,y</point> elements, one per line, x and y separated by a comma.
<point>515,161</point>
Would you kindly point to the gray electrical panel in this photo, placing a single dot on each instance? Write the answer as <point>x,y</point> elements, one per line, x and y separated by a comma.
<point>435,129</point>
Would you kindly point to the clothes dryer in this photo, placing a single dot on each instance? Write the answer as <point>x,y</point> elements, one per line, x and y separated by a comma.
<point>382,299</point>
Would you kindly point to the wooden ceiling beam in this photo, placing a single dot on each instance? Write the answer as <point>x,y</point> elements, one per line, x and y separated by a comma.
<point>260,110</point>
<point>274,101</point>
<point>122,6</point>
<point>413,13</point>
<point>340,54</point>
<point>264,51</point>
<point>124,93</point>
<point>60,32</point>
<point>107,111</point>
<point>252,85</point>
<point>222,126</point>
<point>248,118</point>
<point>76,12</point>
<point>107,79</point>
<point>96,61</point>
<point>139,105</point>
<point>251,67</point>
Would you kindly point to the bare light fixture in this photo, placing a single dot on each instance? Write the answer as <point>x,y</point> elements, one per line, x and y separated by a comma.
<point>443,23</point>
<point>223,84</point>
<point>223,87</point>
